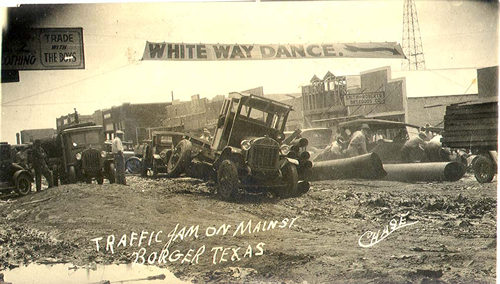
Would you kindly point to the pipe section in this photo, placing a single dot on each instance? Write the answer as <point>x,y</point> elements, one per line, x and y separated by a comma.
<point>367,166</point>
<point>443,171</point>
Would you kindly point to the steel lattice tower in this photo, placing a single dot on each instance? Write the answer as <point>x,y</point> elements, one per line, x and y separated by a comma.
<point>412,42</point>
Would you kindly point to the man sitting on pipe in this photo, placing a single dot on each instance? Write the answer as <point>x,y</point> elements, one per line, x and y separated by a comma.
<point>413,149</point>
<point>357,145</point>
<point>337,149</point>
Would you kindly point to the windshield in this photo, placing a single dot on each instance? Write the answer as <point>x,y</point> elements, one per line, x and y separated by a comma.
<point>272,120</point>
<point>165,140</point>
<point>85,138</point>
<point>128,146</point>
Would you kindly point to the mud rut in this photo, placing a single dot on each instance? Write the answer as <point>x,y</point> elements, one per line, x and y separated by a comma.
<point>454,240</point>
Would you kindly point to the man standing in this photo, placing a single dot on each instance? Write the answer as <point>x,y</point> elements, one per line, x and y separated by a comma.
<point>357,146</point>
<point>40,165</point>
<point>117,149</point>
<point>428,132</point>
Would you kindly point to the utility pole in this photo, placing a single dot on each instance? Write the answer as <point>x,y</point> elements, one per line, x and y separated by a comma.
<point>412,42</point>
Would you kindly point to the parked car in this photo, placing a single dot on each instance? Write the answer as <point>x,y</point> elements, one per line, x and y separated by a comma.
<point>84,155</point>
<point>133,164</point>
<point>388,137</point>
<point>157,152</point>
<point>13,177</point>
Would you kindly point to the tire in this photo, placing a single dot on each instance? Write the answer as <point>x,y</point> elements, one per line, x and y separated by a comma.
<point>55,178</point>
<point>484,169</point>
<point>133,165</point>
<point>23,185</point>
<point>227,180</point>
<point>290,179</point>
<point>111,173</point>
<point>71,174</point>
<point>100,179</point>
<point>179,159</point>
<point>154,169</point>
<point>88,180</point>
<point>144,168</point>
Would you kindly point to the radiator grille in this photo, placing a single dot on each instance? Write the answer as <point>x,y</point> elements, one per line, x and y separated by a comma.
<point>264,154</point>
<point>91,160</point>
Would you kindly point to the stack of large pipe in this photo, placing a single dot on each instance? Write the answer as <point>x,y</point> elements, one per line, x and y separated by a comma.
<point>367,166</point>
<point>445,171</point>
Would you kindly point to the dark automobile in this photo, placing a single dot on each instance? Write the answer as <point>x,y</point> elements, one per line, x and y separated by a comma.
<point>388,137</point>
<point>13,177</point>
<point>84,156</point>
<point>157,152</point>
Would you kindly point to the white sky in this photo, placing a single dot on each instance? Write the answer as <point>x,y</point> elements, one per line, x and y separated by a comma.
<point>456,36</point>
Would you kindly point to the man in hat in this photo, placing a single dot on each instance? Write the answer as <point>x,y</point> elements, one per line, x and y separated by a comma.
<point>428,132</point>
<point>117,149</point>
<point>413,149</point>
<point>40,165</point>
<point>357,145</point>
<point>206,135</point>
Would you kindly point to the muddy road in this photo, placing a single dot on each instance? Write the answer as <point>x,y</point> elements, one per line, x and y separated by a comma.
<point>440,233</point>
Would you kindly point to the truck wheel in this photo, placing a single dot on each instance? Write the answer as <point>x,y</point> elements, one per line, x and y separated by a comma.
<point>72,174</point>
<point>111,173</point>
<point>144,168</point>
<point>179,159</point>
<point>100,179</point>
<point>290,179</point>
<point>484,169</point>
<point>133,165</point>
<point>23,185</point>
<point>55,177</point>
<point>154,169</point>
<point>227,180</point>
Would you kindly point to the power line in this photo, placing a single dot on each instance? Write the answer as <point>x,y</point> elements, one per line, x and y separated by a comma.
<point>66,85</point>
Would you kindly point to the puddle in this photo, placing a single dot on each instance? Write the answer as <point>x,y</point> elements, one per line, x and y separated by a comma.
<point>67,274</point>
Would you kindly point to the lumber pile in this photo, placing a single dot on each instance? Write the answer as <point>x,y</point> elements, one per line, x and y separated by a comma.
<point>471,126</point>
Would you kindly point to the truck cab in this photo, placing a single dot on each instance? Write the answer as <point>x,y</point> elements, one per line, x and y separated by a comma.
<point>84,156</point>
<point>247,149</point>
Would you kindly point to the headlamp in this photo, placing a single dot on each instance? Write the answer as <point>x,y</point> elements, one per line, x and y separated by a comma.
<point>246,144</point>
<point>285,149</point>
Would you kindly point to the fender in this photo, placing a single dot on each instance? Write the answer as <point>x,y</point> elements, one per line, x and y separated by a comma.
<point>19,173</point>
<point>230,151</point>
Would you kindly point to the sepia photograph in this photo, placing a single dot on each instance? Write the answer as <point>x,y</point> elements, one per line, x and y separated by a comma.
<point>249,142</point>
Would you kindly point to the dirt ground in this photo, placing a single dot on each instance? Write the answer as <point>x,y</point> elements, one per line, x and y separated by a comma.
<point>452,241</point>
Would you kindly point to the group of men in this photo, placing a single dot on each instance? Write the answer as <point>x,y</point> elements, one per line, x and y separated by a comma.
<point>346,145</point>
<point>38,160</point>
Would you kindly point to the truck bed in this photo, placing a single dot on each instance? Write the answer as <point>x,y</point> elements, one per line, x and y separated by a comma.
<point>471,126</point>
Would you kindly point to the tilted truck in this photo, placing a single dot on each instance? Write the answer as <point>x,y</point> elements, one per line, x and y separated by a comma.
<point>246,151</point>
